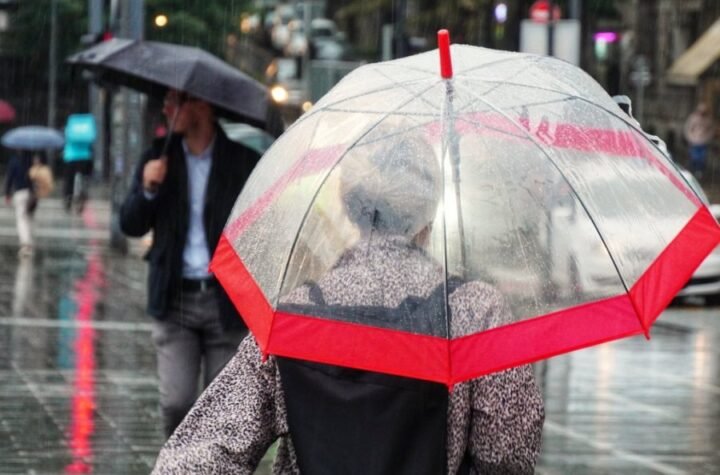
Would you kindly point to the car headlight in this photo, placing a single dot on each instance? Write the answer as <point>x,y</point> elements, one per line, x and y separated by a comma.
<point>279,94</point>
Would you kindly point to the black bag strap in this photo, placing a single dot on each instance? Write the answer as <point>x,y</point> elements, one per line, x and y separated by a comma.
<point>424,315</point>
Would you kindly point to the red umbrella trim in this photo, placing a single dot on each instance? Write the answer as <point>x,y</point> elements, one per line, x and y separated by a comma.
<point>674,266</point>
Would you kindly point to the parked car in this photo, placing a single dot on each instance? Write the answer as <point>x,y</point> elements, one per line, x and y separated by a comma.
<point>286,86</point>
<point>251,137</point>
<point>327,42</point>
<point>705,281</point>
<point>579,265</point>
<point>280,34</point>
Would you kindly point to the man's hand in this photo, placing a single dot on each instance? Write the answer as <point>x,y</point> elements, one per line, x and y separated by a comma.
<point>154,174</point>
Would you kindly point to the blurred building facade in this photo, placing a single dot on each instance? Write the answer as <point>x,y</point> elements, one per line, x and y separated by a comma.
<point>679,41</point>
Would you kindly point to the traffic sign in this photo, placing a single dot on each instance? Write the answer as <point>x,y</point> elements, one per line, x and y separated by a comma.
<point>540,11</point>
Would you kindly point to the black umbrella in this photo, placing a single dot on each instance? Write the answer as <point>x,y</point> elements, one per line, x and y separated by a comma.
<point>152,67</point>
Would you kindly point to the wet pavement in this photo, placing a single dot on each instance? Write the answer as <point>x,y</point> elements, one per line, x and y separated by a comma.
<point>78,390</point>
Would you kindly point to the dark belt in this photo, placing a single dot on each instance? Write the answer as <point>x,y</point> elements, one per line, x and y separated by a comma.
<point>198,285</point>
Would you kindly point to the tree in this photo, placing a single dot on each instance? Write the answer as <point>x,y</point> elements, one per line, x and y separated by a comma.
<point>202,23</point>
<point>25,58</point>
<point>28,38</point>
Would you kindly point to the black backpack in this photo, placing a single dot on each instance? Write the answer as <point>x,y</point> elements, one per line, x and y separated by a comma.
<point>351,421</point>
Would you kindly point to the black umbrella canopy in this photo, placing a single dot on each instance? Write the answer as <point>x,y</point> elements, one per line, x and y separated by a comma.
<point>152,67</point>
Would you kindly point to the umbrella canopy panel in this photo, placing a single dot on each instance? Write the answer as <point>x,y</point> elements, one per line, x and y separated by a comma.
<point>521,173</point>
<point>152,67</point>
<point>33,137</point>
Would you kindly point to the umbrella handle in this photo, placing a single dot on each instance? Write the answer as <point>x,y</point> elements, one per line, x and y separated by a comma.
<point>154,186</point>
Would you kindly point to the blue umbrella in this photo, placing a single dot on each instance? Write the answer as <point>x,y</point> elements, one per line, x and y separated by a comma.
<point>33,137</point>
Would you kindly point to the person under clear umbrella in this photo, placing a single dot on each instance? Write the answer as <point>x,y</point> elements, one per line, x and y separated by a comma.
<point>339,420</point>
<point>183,191</point>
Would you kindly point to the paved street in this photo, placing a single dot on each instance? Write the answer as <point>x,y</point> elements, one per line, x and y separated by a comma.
<point>78,391</point>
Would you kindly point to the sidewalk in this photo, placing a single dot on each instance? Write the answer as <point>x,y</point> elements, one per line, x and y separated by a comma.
<point>54,223</point>
<point>78,387</point>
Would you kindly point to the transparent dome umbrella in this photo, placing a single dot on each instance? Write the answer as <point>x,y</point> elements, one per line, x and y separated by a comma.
<point>546,193</point>
<point>33,137</point>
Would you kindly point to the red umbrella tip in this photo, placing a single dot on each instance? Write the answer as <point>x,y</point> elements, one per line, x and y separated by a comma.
<point>444,49</point>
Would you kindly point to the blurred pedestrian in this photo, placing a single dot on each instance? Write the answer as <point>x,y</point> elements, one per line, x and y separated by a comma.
<point>19,191</point>
<point>183,191</point>
<point>699,131</point>
<point>80,135</point>
<point>331,419</point>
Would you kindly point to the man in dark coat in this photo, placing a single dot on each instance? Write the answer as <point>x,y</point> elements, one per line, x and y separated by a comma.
<point>185,197</point>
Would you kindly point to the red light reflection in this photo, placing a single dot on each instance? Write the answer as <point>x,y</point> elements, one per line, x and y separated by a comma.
<point>82,423</point>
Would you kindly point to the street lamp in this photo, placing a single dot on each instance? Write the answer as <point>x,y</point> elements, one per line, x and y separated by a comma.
<point>161,20</point>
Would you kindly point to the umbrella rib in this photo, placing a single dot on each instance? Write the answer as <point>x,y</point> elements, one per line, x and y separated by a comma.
<point>422,114</point>
<point>315,111</point>
<point>283,275</point>
<point>79,63</point>
<point>377,111</point>
<point>320,186</point>
<point>622,117</point>
<point>626,120</point>
<point>385,88</point>
<point>569,183</point>
<point>394,134</point>
<point>403,86</point>
<point>499,84</point>
<point>412,93</point>
<point>445,247</point>
<point>489,127</point>
<point>519,57</point>
<point>414,69</point>
<point>397,84</point>
<point>570,96</point>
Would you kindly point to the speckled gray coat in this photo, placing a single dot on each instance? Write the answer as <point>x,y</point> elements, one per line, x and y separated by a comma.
<point>497,418</point>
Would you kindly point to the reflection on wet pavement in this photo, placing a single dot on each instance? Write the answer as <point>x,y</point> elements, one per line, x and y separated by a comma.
<point>78,390</point>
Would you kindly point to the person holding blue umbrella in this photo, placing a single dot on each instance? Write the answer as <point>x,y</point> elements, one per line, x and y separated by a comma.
<point>33,137</point>
<point>19,193</point>
<point>27,144</point>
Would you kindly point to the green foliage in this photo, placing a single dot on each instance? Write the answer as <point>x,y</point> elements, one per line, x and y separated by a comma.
<point>28,37</point>
<point>201,23</point>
